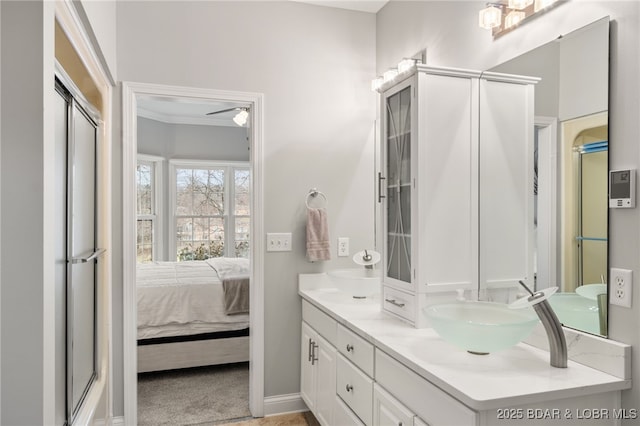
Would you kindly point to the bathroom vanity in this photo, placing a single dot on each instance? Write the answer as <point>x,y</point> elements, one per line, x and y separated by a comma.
<point>362,366</point>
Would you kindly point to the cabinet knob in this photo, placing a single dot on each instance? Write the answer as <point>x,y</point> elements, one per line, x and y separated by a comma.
<point>349,388</point>
<point>349,347</point>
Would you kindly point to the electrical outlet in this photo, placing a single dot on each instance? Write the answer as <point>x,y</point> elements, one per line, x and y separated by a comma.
<point>343,246</point>
<point>620,287</point>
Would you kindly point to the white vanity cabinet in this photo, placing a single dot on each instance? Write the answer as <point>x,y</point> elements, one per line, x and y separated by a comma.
<point>318,367</point>
<point>449,138</point>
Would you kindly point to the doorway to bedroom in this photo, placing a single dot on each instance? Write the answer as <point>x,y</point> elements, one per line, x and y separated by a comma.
<point>195,170</point>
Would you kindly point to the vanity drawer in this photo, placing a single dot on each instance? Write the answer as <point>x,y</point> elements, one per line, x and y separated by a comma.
<point>356,349</point>
<point>426,400</point>
<point>319,321</point>
<point>343,415</point>
<point>399,303</point>
<point>355,388</point>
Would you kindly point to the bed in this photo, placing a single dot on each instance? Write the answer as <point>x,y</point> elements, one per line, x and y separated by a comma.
<point>192,313</point>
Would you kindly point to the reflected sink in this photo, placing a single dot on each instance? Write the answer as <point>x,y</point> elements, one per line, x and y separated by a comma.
<point>358,282</point>
<point>591,291</point>
<point>576,311</point>
<point>481,327</point>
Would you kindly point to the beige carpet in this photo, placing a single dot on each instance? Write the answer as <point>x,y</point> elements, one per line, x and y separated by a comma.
<point>196,396</point>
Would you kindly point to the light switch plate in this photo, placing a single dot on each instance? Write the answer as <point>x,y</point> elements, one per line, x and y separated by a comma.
<point>279,241</point>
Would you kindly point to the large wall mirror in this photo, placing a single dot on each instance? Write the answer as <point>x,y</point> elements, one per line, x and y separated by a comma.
<point>571,171</point>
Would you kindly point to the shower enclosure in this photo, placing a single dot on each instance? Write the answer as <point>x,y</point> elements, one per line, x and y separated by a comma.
<point>76,255</point>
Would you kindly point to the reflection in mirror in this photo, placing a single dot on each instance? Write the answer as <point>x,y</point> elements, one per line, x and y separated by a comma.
<point>571,171</point>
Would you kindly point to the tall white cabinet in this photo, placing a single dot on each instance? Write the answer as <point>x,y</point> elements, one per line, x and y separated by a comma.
<point>456,185</point>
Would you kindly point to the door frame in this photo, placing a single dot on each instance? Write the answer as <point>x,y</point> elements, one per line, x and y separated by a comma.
<point>101,392</point>
<point>547,133</point>
<point>130,92</point>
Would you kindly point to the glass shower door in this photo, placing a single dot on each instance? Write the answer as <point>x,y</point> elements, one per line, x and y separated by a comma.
<point>76,139</point>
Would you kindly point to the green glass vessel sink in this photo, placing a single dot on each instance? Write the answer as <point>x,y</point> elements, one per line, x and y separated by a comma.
<point>481,327</point>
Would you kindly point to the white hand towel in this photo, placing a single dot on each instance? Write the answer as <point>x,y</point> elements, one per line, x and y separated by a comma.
<point>317,235</point>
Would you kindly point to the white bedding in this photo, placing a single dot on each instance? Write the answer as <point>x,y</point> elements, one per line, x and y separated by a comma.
<point>182,298</point>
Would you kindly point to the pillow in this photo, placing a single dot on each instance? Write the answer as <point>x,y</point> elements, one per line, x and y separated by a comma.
<point>229,266</point>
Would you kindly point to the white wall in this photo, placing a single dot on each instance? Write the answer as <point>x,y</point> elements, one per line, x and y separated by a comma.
<point>99,19</point>
<point>452,37</point>
<point>314,66</point>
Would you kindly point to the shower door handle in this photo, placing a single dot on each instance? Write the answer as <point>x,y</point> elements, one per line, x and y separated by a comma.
<point>89,256</point>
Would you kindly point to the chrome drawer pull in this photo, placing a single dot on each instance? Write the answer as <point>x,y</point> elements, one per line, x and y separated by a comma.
<point>394,303</point>
<point>315,357</point>
<point>349,347</point>
<point>310,350</point>
<point>349,388</point>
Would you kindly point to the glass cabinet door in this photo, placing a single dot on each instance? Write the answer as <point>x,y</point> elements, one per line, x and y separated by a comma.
<point>397,147</point>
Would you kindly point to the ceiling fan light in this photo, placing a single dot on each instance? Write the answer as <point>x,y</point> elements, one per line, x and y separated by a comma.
<point>241,118</point>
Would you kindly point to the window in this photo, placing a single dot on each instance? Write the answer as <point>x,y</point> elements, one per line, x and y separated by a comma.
<point>210,205</point>
<point>148,182</point>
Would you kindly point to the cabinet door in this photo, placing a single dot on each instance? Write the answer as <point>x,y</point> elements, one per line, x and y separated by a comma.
<point>388,411</point>
<point>397,157</point>
<point>325,381</point>
<point>307,369</point>
<point>447,182</point>
<point>506,184</point>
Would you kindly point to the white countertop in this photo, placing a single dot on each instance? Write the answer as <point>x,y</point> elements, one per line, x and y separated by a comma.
<point>518,375</point>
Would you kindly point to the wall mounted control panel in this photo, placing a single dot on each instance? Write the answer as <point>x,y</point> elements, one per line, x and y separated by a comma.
<point>622,188</point>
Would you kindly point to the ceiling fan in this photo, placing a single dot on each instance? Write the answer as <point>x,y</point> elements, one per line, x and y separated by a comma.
<point>241,117</point>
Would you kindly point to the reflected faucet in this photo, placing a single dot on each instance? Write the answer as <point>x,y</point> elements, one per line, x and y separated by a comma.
<point>557,341</point>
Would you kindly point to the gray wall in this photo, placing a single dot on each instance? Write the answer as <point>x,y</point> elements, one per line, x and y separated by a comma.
<point>188,141</point>
<point>314,66</point>
<point>26,201</point>
<point>404,28</point>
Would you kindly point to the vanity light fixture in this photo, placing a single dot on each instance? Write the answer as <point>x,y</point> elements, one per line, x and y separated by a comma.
<point>404,66</point>
<point>501,16</point>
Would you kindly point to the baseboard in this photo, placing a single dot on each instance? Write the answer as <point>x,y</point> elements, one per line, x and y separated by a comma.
<point>281,404</point>
<point>117,421</point>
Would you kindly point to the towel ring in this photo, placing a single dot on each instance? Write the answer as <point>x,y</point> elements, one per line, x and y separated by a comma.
<point>313,193</point>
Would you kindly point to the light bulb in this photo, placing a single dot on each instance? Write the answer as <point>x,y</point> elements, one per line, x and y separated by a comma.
<point>376,83</point>
<point>490,17</point>
<point>519,4</point>
<point>406,65</point>
<point>513,18</point>
<point>390,75</point>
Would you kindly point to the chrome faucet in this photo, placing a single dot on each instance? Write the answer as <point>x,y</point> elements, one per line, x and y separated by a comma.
<point>557,341</point>
<point>367,258</point>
